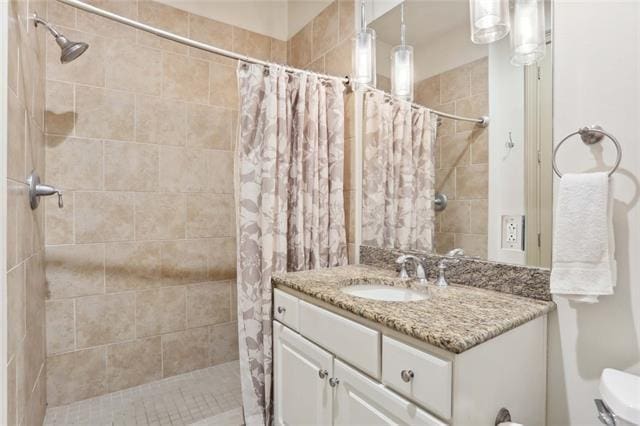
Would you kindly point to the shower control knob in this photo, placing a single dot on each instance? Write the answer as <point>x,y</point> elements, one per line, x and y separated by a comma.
<point>37,190</point>
<point>323,374</point>
<point>281,309</point>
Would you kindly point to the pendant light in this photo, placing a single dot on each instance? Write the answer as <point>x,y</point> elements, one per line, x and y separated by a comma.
<point>402,65</point>
<point>489,20</point>
<point>527,35</point>
<point>364,52</point>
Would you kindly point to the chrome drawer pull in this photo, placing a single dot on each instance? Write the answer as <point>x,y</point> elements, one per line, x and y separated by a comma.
<point>333,382</point>
<point>406,375</point>
<point>282,310</point>
<point>323,373</point>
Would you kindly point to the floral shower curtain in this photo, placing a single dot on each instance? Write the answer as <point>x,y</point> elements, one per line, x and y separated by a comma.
<point>398,174</point>
<point>290,208</point>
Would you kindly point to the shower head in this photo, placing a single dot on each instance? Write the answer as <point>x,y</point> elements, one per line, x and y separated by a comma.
<point>70,50</point>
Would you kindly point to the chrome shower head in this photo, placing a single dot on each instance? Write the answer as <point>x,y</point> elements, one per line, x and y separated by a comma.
<point>69,50</point>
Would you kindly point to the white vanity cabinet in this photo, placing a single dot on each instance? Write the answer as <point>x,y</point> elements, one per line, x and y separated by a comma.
<point>335,369</point>
<point>301,373</point>
<point>312,387</point>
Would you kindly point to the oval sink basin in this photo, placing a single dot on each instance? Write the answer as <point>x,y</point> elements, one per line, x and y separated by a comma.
<point>384,292</point>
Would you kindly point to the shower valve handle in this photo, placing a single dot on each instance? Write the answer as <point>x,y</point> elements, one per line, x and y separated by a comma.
<point>37,190</point>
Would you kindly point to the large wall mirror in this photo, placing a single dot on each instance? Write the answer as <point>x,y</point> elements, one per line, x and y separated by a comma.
<point>497,181</point>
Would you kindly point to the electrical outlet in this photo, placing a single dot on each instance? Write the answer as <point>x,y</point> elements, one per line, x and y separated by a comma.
<point>513,232</point>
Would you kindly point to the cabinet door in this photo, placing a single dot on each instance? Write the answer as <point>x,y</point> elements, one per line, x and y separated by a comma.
<point>362,401</point>
<point>302,395</point>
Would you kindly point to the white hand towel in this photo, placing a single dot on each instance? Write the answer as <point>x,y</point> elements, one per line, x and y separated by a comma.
<point>583,246</point>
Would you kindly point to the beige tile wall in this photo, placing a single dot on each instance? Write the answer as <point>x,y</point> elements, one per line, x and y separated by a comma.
<point>461,155</point>
<point>141,260</point>
<point>324,45</point>
<point>26,374</point>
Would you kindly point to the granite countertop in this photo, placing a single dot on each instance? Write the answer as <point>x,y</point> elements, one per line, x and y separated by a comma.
<point>455,318</point>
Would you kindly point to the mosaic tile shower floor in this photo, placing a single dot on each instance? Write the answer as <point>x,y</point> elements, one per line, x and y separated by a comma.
<point>210,396</point>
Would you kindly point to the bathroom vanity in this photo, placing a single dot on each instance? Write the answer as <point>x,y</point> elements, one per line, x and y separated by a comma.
<point>456,357</point>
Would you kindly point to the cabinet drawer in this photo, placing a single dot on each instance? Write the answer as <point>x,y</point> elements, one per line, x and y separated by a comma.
<point>362,401</point>
<point>285,308</point>
<point>430,385</point>
<point>353,342</point>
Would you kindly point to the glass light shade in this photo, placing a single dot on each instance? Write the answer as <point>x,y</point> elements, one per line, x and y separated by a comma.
<point>527,35</point>
<point>489,20</point>
<point>364,54</point>
<point>402,72</point>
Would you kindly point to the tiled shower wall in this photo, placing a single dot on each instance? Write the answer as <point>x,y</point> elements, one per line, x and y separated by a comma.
<point>26,376</point>
<point>324,45</point>
<point>462,159</point>
<point>141,259</point>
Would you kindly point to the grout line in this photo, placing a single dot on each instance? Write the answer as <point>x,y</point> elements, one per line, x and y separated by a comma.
<point>135,315</point>
<point>75,326</point>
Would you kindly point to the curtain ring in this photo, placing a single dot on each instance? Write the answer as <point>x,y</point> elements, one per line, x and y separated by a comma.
<point>265,71</point>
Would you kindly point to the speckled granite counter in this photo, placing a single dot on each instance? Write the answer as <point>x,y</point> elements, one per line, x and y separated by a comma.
<point>455,318</point>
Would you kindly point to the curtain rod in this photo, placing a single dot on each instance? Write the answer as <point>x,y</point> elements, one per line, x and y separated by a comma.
<point>482,121</point>
<point>185,40</point>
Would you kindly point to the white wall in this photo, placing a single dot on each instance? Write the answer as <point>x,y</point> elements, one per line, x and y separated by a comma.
<point>383,58</point>
<point>268,17</point>
<point>446,52</point>
<point>506,166</point>
<point>597,80</point>
<point>300,12</point>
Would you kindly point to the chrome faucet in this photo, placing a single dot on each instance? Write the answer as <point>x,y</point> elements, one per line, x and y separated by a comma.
<point>448,259</point>
<point>420,274</point>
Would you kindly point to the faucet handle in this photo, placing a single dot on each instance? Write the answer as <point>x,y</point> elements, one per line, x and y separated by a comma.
<point>455,252</point>
<point>403,271</point>
<point>402,261</point>
<point>447,261</point>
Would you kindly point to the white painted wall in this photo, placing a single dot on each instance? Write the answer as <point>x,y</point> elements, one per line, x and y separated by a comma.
<point>506,166</point>
<point>268,17</point>
<point>300,12</point>
<point>446,52</point>
<point>280,19</point>
<point>383,58</point>
<point>597,80</point>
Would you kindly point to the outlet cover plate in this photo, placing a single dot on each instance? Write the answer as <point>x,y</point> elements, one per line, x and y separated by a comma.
<point>512,232</point>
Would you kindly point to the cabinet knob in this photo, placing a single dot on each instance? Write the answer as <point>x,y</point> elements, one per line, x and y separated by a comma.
<point>323,373</point>
<point>333,382</point>
<point>406,375</point>
<point>282,309</point>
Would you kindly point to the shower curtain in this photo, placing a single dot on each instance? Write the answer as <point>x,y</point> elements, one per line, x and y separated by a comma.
<point>290,208</point>
<point>398,174</point>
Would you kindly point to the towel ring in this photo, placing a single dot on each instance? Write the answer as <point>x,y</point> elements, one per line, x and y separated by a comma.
<point>590,135</point>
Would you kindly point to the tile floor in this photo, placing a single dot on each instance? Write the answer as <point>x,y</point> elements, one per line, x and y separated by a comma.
<point>210,396</point>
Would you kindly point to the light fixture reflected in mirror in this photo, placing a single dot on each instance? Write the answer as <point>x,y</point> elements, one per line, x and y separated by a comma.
<point>489,20</point>
<point>402,65</point>
<point>364,52</point>
<point>527,34</point>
